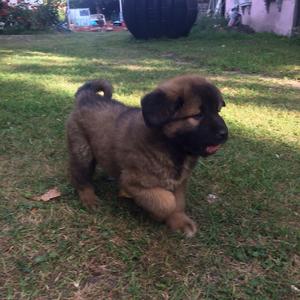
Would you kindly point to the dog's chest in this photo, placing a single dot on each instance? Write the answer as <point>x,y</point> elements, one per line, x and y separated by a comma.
<point>173,175</point>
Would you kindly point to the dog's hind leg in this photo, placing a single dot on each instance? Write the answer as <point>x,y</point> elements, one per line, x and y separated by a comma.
<point>81,175</point>
<point>163,205</point>
<point>159,202</point>
<point>82,166</point>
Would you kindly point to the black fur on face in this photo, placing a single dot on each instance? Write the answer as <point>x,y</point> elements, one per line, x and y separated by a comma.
<point>159,111</point>
<point>211,131</point>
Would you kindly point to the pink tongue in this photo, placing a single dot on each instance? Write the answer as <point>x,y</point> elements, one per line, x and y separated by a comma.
<point>212,149</point>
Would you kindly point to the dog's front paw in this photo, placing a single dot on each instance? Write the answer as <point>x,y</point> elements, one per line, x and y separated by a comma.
<point>91,204</point>
<point>89,199</point>
<point>180,221</point>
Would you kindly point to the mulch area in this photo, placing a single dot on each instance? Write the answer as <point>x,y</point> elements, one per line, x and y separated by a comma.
<point>108,27</point>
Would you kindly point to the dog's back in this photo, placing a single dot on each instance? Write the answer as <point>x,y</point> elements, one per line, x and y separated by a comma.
<point>91,125</point>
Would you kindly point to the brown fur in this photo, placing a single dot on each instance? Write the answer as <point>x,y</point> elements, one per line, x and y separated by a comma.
<point>149,169</point>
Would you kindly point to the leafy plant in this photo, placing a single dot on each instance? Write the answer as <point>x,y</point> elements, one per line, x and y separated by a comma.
<point>45,15</point>
<point>3,10</point>
<point>19,18</point>
<point>23,17</point>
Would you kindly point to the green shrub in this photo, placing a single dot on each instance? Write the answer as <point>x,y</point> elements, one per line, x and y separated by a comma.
<point>22,18</point>
<point>19,18</point>
<point>45,16</point>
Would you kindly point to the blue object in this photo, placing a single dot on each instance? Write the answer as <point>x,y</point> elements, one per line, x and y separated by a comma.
<point>93,23</point>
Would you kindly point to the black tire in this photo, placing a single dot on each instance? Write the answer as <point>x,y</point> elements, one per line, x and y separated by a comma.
<point>156,18</point>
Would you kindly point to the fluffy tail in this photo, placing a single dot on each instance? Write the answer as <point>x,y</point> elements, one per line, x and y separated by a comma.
<point>96,86</point>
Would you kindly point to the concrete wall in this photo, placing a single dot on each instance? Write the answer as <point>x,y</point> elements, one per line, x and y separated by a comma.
<point>257,17</point>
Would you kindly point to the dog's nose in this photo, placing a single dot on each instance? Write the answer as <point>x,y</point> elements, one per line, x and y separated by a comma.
<point>222,134</point>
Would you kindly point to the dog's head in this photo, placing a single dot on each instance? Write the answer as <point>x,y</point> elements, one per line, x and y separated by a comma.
<point>186,110</point>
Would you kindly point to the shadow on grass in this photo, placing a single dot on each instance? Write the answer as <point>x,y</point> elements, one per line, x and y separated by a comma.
<point>219,51</point>
<point>252,178</point>
<point>249,226</point>
<point>29,99</point>
<point>246,242</point>
<point>247,90</point>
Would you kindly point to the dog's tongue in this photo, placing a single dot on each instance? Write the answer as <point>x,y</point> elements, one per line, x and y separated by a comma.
<point>212,149</point>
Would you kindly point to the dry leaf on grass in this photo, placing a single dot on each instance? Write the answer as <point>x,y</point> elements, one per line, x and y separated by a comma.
<point>51,194</point>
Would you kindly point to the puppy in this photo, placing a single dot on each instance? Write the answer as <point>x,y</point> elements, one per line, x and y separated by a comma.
<point>150,150</point>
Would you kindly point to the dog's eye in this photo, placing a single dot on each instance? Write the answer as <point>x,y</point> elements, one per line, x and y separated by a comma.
<point>198,116</point>
<point>179,103</point>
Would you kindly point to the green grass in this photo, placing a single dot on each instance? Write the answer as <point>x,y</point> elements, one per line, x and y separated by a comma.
<point>247,246</point>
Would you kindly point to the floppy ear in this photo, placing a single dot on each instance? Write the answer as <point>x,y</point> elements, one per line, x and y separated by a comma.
<point>211,94</point>
<point>157,109</point>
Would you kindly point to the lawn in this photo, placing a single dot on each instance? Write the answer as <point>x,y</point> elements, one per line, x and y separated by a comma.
<point>247,245</point>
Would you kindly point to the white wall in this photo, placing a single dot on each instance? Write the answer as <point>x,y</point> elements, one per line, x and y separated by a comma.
<point>273,21</point>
